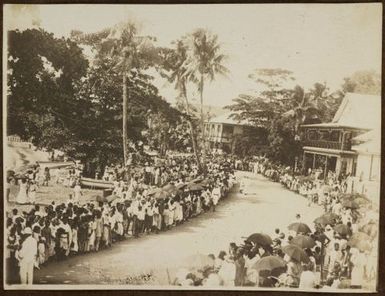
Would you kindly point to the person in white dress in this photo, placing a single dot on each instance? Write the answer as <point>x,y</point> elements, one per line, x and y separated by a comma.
<point>77,192</point>
<point>22,197</point>
<point>32,192</point>
<point>359,261</point>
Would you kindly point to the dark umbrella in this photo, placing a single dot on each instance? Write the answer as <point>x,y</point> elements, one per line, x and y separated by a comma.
<point>181,186</point>
<point>299,227</point>
<point>353,196</point>
<point>170,188</point>
<point>360,241</point>
<point>350,204</point>
<point>361,201</point>
<point>161,194</point>
<point>154,191</point>
<point>342,229</point>
<point>196,180</point>
<point>204,183</point>
<point>328,218</point>
<point>303,241</point>
<point>194,187</point>
<point>296,253</point>
<point>261,239</point>
<point>269,263</point>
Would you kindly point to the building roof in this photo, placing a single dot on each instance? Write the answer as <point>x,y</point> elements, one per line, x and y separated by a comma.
<point>369,142</point>
<point>356,111</point>
<point>331,125</point>
<point>226,119</point>
<point>359,110</point>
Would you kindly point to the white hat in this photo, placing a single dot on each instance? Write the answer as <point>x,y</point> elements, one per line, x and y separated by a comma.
<point>27,230</point>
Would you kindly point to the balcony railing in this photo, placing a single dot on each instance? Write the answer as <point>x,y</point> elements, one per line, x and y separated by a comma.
<point>219,139</point>
<point>328,144</point>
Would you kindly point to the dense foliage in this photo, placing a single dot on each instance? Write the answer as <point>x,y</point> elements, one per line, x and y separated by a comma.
<point>59,100</point>
<point>43,73</point>
<point>280,108</point>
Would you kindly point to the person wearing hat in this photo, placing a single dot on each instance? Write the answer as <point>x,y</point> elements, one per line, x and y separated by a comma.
<point>27,256</point>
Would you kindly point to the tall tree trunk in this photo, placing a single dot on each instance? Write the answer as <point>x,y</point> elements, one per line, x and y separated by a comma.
<point>201,87</point>
<point>125,152</point>
<point>192,132</point>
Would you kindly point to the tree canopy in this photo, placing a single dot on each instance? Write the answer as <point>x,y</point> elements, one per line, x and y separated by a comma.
<point>60,100</point>
<point>43,73</point>
<point>363,82</point>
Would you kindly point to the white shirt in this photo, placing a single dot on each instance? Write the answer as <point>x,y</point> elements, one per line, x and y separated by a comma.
<point>28,250</point>
<point>307,280</point>
<point>140,214</point>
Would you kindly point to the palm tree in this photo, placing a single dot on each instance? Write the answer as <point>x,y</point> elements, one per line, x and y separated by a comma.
<point>128,51</point>
<point>174,62</point>
<point>303,106</point>
<point>204,61</point>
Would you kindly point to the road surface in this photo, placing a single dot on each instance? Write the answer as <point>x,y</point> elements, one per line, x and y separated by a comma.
<point>266,206</point>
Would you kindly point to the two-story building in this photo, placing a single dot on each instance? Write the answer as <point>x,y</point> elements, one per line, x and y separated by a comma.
<point>329,145</point>
<point>350,143</point>
<point>220,131</point>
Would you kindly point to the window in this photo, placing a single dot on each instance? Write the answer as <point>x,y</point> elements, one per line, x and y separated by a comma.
<point>228,129</point>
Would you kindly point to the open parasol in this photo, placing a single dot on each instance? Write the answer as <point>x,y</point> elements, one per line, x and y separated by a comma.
<point>170,188</point>
<point>342,230</point>
<point>296,253</point>
<point>328,218</point>
<point>303,241</point>
<point>269,263</point>
<point>299,227</point>
<point>260,239</point>
<point>194,187</point>
<point>350,204</point>
<point>161,194</point>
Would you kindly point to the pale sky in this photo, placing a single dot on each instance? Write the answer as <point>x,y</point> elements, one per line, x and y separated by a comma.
<point>318,42</point>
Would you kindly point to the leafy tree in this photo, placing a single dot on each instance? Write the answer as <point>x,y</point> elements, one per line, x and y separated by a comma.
<point>282,145</point>
<point>281,110</point>
<point>363,82</point>
<point>254,109</point>
<point>99,141</point>
<point>272,83</point>
<point>251,142</point>
<point>43,72</point>
<point>129,51</point>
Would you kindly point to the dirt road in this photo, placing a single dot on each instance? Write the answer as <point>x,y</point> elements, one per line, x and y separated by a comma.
<point>266,206</point>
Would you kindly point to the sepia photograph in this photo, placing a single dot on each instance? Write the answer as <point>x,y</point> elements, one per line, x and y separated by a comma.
<point>192,146</point>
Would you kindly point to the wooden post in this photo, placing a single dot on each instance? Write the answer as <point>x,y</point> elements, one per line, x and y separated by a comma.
<point>326,166</point>
<point>313,161</point>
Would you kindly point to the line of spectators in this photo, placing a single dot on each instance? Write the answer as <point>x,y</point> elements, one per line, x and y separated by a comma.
<point>136,208</point>
<point>339,250</point>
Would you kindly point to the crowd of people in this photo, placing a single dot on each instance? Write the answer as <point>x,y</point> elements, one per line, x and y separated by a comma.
<point>339,250</point>
<point>146,204</point>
